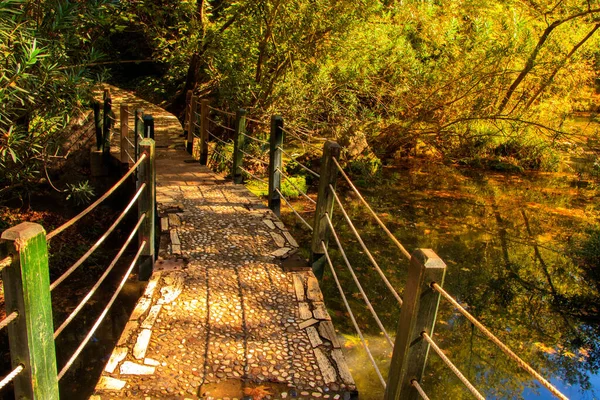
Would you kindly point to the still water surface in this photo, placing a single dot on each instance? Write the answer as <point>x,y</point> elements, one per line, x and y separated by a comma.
<point>510,243</point>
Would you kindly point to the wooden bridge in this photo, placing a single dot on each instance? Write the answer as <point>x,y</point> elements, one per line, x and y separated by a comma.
<point>230,310</point>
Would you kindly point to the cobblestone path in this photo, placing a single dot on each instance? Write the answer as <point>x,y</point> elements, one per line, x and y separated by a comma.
<point>221,318</point>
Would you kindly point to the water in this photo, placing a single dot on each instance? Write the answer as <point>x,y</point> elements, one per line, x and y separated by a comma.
<point>510,244</point>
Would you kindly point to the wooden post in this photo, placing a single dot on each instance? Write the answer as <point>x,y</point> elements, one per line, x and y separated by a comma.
<point>191,129</point>
<point>186,117</point>
<point>147,205</point>
<point>203,131</point>
<point>27,291</point>
<point>418,314</point>
<point>276,142</point>
<point>148,127</point>
<point>124,117</point>
<point>324,206</point>
<point>107,123</point>
<point>238,144</point>
<point>97,124</point>
<point>138,132</point>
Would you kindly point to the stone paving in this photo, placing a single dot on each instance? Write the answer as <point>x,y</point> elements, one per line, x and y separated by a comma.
<point>225,314</point>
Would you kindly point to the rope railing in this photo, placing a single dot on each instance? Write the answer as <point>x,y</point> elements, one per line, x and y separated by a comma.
<point>499,343</point>
<point>83,302</point>
<point>129,156</point>
<point>256,121</point>
<point>222,111</point>
<point>298,162</point>
<point>5,262</point>
<point>12,375</point>
<point>304,141</point>
<point>254,158</point>
<point>420,390</point>
<point>286,201</point>
<point>364,247</point>
<point>9,318</point>
<point>253,176</point>
<point>220,125</point>
<point>357,282</point>
<point>79,349</point>
<point>452,367</point>
<point>254,138</point>
<point>291,182</point>
<point>379,221</point>
<point>95,204</point>
<point>81,260</point>
<point>352,318</point>
<point>222,155</point>
<point>217,138</point>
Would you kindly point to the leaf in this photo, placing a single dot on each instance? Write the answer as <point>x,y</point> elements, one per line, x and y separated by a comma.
<point>258,393</point>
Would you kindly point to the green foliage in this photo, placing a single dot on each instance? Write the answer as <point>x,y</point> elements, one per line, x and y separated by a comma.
<point>80,193</point>
<point>291,189</point>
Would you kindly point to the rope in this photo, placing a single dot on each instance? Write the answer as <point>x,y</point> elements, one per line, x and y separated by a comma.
<point>379,221</point>
<point>499,343</point>
<point>101,279</point>
<point>450,365</point>
<point>362,339</point>
<point>72,269</point>
<point>286,177</point>
<point>129,141</point>
<point>220,140</point>
<point>360,288</point>
<point>221,125</point>
<point>10,318</point>
<point>300,139</point>
<point>253,176</point>
<point>255,139</point>
<point>422,393</point>
<point>257,121</point>
<point>364,247</point>
<point>129,156</point>
<point>8,378</point>
<point>298,162</point>
<point>294,210</point>
<point>97,202</point>
<point>5,262</point>
<point>253,158</point>
<point>104,312</point>
<point>221,111</point>
<point>222,156</point>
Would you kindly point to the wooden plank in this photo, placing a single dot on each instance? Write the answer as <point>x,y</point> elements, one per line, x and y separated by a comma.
<point>327,331</point>
<point>313,336</point>
<point>313,292</point>
<point>307,323</point>
<point>164,224</point>
<point>290,239</point>
<point>304,311</point>
<point>279,240</point>
<point>140,308</point>
<point>238,146</point>
<point>298,286</point>
<point>269,223</point>
<point>174,220</point>
<point>141,344</point>
<point>130,327</point>
<point>174,237</point>
<point>275,158</point>
<point>342,367</point>
<point>320,311</point>
<point>327,370</point>
<point>151,318</point>
<point>118,355</point>
<point>147,206</point>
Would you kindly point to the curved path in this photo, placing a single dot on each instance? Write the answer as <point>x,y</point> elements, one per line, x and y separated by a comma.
<point>221,318</point>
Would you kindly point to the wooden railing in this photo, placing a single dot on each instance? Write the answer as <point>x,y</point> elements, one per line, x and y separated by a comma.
<point>27,287</point>
<point>426,271</point>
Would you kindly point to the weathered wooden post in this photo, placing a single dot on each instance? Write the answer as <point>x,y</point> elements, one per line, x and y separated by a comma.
<point>276,142</point>
<point>186,117</point>
<point>148,127</point>
<point>146,205</point>
<point>203,131</point>
<point>138,132</point>
<point>418,314</point>
<point>107,123</point>
<point>97,124</point>
<point>320,234</point>
<point>191,124</point>
<point>124,117</point>
<point>27,291</point>
<point>238,146</point>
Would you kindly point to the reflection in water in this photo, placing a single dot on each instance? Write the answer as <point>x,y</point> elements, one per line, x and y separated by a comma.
<point>511,244</point>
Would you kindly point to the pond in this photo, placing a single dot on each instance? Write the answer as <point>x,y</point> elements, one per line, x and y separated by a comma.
<point>510,243</point>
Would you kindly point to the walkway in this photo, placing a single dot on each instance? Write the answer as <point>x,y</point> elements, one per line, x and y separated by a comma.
<point>230,311</point>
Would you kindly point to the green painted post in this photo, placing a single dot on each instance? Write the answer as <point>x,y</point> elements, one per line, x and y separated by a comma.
<point>276,142</point>
<point>124,118</point>
<point>203,131</point>
<point>107,124</point>
<point>97,124</point>
<point>138,132</point>
<point>27,291</point>
<point>191,128</point>
<point>186,117</point>
<point>147,205</point>
<point>328,177</point>
<point>238,144</point>
<point>418,314</point>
